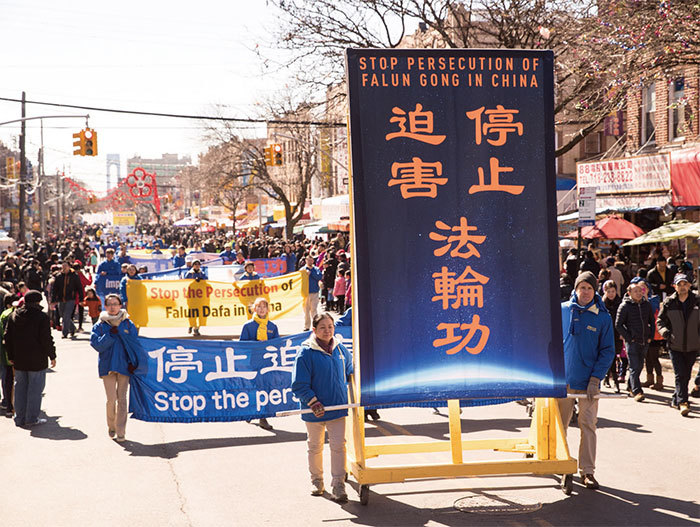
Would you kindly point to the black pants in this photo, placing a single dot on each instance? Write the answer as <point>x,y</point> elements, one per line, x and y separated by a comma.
<point>8,387</point>
<point>682,367</point>
<point>340,304</point>
<point>653,365</point>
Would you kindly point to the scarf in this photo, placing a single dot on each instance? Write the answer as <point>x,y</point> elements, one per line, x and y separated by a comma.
<point>262,327</point>
<point>113,320</point>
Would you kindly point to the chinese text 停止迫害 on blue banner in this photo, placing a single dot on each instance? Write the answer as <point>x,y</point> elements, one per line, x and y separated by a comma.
<point>453,190</point>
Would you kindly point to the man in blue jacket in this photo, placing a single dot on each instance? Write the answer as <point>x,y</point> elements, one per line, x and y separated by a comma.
<point>311,299</point>
<point>589,349</point>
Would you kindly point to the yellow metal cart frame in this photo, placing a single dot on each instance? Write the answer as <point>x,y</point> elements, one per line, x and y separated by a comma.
<point>545,448</point>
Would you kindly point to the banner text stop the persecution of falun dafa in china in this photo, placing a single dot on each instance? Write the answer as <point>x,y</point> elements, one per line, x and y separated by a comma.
<point>184,303</point>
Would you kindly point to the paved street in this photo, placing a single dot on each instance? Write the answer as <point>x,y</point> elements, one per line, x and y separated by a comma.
<point>68,472</point>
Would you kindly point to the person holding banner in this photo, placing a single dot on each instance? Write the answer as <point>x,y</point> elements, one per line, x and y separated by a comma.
<point>311,300</point>
<point>589,349</point>
<point>115,338</point>
<point>132,273</point>
<point>195,273</point>
<point>319,379</point>
<point>260,329</point>
<point>250,273</point>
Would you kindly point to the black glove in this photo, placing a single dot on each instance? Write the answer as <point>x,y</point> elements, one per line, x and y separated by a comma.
<point>114,330</point>
<point>131,368</point>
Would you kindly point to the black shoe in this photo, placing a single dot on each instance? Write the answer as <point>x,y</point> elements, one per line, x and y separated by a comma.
<point>695,392</point>
<point>589,481</point>
<point>567,484</point>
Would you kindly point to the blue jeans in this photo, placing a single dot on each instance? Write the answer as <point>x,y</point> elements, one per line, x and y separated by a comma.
<point>29,385</point>
<point>635,354</point>
<point>682,368</point>
<point>66,309</point>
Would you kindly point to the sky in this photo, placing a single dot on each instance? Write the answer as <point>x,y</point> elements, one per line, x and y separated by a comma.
<point>156,56</point>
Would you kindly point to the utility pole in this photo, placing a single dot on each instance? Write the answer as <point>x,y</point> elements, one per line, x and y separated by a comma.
<point>22,176</point>
<point>40,186</point>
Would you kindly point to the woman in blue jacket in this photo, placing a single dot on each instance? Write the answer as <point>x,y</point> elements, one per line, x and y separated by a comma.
<point>319,379</point>
<point>260,328</point>
<point>132,273</point>
<point>116,340</point>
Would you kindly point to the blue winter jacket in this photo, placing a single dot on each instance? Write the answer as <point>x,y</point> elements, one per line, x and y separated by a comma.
<point>589,342</point>
<point>122,286</point>
<point>196,275</point>
<point>126,259</point>
<point>346,319</point>
<point>246,276</point>
<point>116,351</point>
<point>250,331</point>
<point>323,377</point>
<point>314,276</point>
<point>178,261</point>
<point>110,267</point>
<point>227,256</point>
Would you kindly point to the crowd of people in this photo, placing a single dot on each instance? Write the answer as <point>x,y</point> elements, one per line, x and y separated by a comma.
<point>618,318</point>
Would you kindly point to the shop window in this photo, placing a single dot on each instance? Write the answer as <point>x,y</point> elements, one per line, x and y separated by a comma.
<point>593,143</point>
<point>677,110</point>
<point>649,114</point>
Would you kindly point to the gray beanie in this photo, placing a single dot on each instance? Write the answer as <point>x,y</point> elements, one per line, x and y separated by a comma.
<point>586,276</point>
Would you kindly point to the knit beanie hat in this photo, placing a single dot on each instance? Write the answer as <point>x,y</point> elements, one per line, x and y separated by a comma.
<point>586,276</point>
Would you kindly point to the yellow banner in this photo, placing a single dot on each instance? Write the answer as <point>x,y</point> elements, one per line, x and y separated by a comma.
<point>124,218</point>
<point>184,303</point>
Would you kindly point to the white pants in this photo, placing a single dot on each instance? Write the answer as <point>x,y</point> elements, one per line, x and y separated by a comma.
<point>336,438</point>
<point>116,388</point>
<point>310,309</point>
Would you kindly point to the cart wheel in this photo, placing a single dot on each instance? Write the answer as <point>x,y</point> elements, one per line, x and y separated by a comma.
<point>364,494</point>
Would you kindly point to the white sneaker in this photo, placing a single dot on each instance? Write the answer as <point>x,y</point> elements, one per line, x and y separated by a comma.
<point>339,493</point>
<point>317,488</point>
<point>37,422</point>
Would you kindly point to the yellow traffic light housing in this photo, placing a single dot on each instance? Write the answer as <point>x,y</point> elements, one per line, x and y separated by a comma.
<point>79,143</point>
<point>277,154</point>
<point>267,152</point>
<point>85,142</point>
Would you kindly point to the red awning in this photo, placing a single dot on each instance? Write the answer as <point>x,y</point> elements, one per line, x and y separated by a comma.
<point>610,228</point>
<point>685,177</point>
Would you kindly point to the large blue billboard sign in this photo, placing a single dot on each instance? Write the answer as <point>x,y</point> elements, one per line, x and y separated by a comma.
<point>453,189</point>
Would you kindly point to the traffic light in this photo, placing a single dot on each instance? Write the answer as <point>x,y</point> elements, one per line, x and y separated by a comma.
<point>90,137</point>
<point>268,155</point>
<point>85,143</point>
<point>277,154</point>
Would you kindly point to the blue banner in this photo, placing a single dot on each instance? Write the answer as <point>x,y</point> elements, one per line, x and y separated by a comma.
<point>154,263</point>
<point>185,381</point>
<point>455,288</point>
<point>107,284</point>
<point>218,272</point>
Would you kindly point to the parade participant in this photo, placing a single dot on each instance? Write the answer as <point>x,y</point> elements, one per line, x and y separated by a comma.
<point>109,265</point>
<point>260,328</point>
<point>290,258</point>
<point>64,291</point>
<point>612,302</point>
<point>179,259</point>
<point>29,345</point>
<point>330,265</point>
<point>92,302</point>
<point>240,259</point>
<point>319,379</point>
<point>123,258</point>
<point>85,281</point>
<point>679,324</point>
<point>195,273</point>
<point>635,324</point>
<point>311,300</point>
<point>250,273</point>
<point>227,255</point>
<point>132,273</point>
<point>115,338</point>
<point>589,349</point>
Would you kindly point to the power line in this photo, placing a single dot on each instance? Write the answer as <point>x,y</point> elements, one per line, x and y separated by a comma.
<point>181,116</point>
